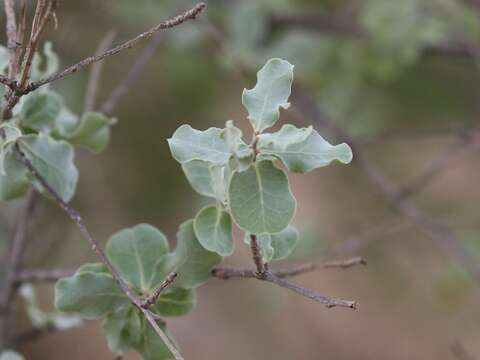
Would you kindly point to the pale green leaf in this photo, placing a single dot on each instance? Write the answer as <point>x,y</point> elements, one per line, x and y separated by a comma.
<point>14,183</point>
<point>206,179</point>
<point>175,303</point>
<point>188,144</point>
<point>42,68</point>
<point>135,253</point>
<point>8,135</point>
<point>192,262</point>
<point>97,268</point>
<point>10,355</point>
<point>274,247</point>
<point>54,161</point>
<point>89,294</point>
<point>123,329</point>
<point>242,153</point>
<point>260,199</point>
<point>302,150</point>
<point>40,109</point>
<point>213,228</point>
<point>273,88</point>
<point>4,59</point>
<point>92,132</point>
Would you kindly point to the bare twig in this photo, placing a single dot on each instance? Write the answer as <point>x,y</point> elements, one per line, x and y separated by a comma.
<point>189,15</point>
<point>227,273</point>
<point>41,275</point>
<point>257,255</point>
<point>133,75</point>
<point>153,297</point>
<point>11,30</point>
<point>340,264</point>
<point>77,219</point>
<point>94,79</point>
<point>14,262</point>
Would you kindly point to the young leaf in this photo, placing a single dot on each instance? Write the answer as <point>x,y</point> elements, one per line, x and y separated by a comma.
<point>92,132</point>
<point>40,109</point>
<point>14,183</point>
<point>135,253</point>
<point>273,88</point>
<point>175,303</point>
<point>242,153</point>
<point>302,150</point>
<point>206,179</point>
<point>260,199</point>
<point>123,329</point>
<point>89,294</point>
<point>191,260</point>
<point>213,229</point>
<point>10,355</point>
<point>54,161</point>
<point>188,144</point>
<point>274,247</point>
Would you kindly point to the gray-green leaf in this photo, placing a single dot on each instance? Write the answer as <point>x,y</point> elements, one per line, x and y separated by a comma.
<point>89,294</point>
<point>175,303</point>
<point>302,150</point>
<point>123,329</point>
<point>191,260</point>
<point>260,199</point>
<point>8,135</point>
<point>10,355</point>
<point>14,183</point>
<point>188,144</point>
<point>92,132</point>
<point>207,179</point>
<point>135,253</point>
<point>40,109</point>
<point>274,247</point>
<point>242,153</point>
<point>273,88</point>
<point>213,228</point>
<point>152,347</point>
<point>54,161</point>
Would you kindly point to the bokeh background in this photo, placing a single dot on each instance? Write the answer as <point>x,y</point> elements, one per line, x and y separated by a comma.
<point>401,77</point>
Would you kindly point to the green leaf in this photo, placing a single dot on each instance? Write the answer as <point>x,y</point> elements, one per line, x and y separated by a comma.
<point>191,260</point>
<point>4,59</point>
<point>213,229</point>
<point>302,150</point>
<point>92,132</point>
<point>97,268</point>
<point>176,303</point>
<point>273,88</point>
<point>123,329</point>
<point>53,159</point>
<point>206,179</point>
<point>242,153</point>
<point>89,294</point>
<point>278,246</point>
<point>50,66</point>
<point>14,183</point>
<point>152,347</point>
<point>260,199</point>
<point>10,355</point>
<point>136,253</point>
<point>8,135</point>
<point>40,110</point>
<point>188,144</point>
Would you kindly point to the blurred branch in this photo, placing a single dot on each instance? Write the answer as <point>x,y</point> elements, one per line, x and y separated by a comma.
<point>347,27</point>
<point>11,31</point>
<point>460,352</point>
<point>180,19</point>
<point>94,79</point>
<point>41,275</point>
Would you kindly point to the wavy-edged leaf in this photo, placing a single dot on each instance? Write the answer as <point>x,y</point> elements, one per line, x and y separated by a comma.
<point>175,303</point>
<point>213,229</point>
<point>206,179</point>
<point>151,346</point>
<point>89,294</point>
<point>191,260</point>
<point>188,144</point>
<point>92,132</point>
<point>40,109</point>
<point>123,329</point>
<point>53,159</point>
<point>8,135</point>
<point>301,153</point>
<point>135,253</point>
<point>242,153</point>
<point>260,199</point>
<point>14,183</point>
<point>273,88</point>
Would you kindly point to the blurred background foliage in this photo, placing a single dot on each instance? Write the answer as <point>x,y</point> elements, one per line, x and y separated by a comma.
<point>402,76</point>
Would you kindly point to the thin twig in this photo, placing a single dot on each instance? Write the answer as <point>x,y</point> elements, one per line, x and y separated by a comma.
<point>42,275</point>
<point>189,15</point>
<point>228,273</point>
<point>340,264</point>
<point>257,255</point>
<point>11,30</point>
<point>153,297</point>
<point>94,79</point>
<point>77,219</point>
